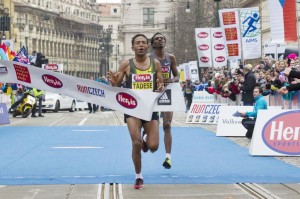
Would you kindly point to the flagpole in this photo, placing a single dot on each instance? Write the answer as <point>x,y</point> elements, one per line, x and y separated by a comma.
<point>297,25</point>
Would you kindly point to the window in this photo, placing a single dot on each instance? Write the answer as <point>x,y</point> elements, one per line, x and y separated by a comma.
<point>115,10</point>
<point>148,16</point>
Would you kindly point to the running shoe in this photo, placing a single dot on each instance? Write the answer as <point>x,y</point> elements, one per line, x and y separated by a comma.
<point>144,147</point>
<point>167,163</point>
<point>139,182</point>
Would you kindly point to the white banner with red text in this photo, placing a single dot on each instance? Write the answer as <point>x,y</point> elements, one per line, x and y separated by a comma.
<point>276,133</point>
<point>137,103</point>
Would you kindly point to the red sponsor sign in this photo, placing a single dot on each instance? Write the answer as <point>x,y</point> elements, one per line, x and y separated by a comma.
<point>202,34</point>
<point>203,47</point>
<point>204,59</point>
<point>219,47</point>
<point>229,18</point>
<point>220,59</point>
<point>282,133</point>
<point>126,100</point>
<point>142,77</point>
<point>231,34</point>
<point>51,67</point>
<point>233,49</point>
<point>52,81</point>
<point>22,73</point>
<point>217,35</point>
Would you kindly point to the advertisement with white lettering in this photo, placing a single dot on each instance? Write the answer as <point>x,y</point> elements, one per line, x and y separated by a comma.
<point>203,44</point>
<point>229,21</point>
<point>276,133</point>
<point>204,113</point>
<point>138,103</point>
<point>218,48</point>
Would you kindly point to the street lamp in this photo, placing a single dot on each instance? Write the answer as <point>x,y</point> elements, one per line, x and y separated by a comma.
<point>187,10</point>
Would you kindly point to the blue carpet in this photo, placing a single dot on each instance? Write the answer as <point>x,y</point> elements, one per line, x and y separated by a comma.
<point>36,155</point>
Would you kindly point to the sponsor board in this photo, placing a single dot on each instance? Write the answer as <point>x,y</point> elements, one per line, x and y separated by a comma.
<point>203,97</point>
<point>228,125</point>
<point>4,117</point>
<point>204,113</point>
<point>276,133</point>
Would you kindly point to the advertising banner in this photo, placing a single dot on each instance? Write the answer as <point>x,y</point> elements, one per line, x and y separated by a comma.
<point>250,32</point>
<point>229,21</point>
<point>203,97</point>
<point>193,69</point>
<point>218,48</point>
<point>203,44</point>
<point>205,113</point>
<point>276,133</point>
<point>230,125</point>
<point>138,103</point>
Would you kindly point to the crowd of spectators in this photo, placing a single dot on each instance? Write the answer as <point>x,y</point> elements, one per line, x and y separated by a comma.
<point>267,74</point>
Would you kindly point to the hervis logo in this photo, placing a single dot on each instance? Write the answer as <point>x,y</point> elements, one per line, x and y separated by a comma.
<point>203,47</point>
<point>52,81</point>
<point>204,59</point>
<point>126,100</point>
<point>282,133</point>
<point>202,34</point>
<point>165,99</point>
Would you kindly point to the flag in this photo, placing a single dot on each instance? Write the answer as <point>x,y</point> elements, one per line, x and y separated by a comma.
<point>283,20</point>
<point>22,56</point>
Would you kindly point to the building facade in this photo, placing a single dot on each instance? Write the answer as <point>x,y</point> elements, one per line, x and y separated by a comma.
<point>144,16</point>
<point>67,32</point>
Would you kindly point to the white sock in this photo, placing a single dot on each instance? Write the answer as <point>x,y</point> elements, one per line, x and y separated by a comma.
<point>168,155</point>
<point>145,137</point>
<point>138,176</point>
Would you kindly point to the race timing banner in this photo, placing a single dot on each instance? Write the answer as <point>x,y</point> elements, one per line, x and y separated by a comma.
<point>137,103</point>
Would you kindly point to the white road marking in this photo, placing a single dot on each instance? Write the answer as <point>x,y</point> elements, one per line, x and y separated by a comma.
<point>82,121</point>
<point>77,147</point>
<point>86,130</point>
<point>99,192</point>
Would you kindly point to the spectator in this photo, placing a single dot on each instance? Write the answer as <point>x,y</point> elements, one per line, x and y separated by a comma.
<point>247,86</point>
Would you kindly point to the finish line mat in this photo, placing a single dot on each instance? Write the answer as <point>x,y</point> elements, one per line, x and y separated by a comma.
<point>97,154</point>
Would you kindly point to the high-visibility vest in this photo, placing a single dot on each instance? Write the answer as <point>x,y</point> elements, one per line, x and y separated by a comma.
<point>37,92</point>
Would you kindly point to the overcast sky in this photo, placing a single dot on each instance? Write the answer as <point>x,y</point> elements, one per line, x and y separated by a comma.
<point>108,1</point>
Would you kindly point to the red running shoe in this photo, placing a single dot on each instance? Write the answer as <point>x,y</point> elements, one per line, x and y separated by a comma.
<point>139,182</point>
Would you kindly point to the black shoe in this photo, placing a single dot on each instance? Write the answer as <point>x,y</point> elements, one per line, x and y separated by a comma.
<point>167,163</point>
<point>40,115</point>
<point>138,184</point>
<point>33,116</point>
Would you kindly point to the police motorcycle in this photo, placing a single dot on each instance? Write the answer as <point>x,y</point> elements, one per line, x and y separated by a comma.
<point>24,105</point>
